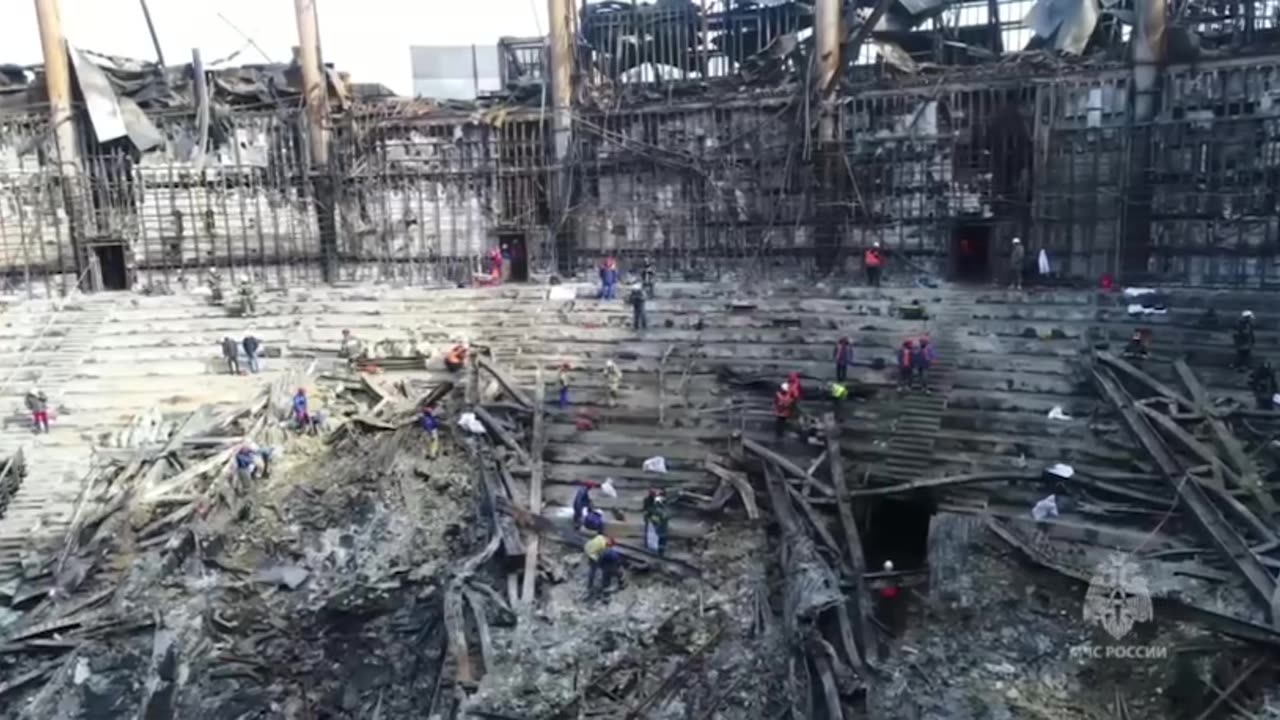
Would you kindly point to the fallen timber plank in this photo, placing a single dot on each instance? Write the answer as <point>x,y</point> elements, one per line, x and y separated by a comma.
<point>1225,440</point>
<point>784,464</point>
<point>854,556</point>
<point>1169,607</point>
<point>501,433</point>
<point>507,386</point>
<point>1144,378</point>
<point>535,488</point>
<point>1257,577</point>
<point>739,482</point>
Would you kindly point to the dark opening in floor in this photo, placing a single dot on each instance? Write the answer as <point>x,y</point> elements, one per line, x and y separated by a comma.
<point>971,253</point>
<point>898,530</point>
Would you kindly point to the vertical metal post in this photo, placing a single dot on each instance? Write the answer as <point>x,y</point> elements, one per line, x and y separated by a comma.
<point>1149,39</point>
<point>316,93</point>
<point>155,39</point>
<point>560,15</point>
<point>57,78</point>
<point>827,37</point>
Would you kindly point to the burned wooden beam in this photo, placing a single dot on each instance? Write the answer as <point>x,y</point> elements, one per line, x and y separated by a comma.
<point>507,386</point>
<point>1226,441</point>
<point>854,556</point>
<point>501,433</point>
<point>535,487</point>
<point>739,482</point>
<point>786,465</point>
<point>1144,378</point>
<point>1210,520</point>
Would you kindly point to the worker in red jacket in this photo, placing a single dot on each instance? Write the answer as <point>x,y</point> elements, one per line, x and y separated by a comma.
<point>844,358</point>
<point>905,358</point>
<point>784,406</point>
<point>873,259</point>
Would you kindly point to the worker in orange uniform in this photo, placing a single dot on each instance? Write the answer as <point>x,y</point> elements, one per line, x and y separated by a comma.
<point>873,259</point>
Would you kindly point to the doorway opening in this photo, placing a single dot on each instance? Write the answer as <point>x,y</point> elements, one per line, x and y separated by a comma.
<point>898,530</point>
<point>515,250</point>
<point>971,253</point>
<point>111,264</point>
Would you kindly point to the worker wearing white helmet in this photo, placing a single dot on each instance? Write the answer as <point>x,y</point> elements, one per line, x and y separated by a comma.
<point>1243,341</point>
<point>613,380</point>
<point>1017,260</point>
<point>784,406</point>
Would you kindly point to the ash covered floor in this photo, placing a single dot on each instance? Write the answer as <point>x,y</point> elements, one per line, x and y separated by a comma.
<point>364,579</point>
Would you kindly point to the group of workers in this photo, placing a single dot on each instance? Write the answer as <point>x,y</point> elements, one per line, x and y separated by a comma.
<point>915,357</point>
<point>604,559</point>
<point>640,293</point>
<point>1262,376</point>
<point>231,353</point>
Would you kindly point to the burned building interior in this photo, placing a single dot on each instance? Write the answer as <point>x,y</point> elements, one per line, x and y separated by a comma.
<point>1068,512</point>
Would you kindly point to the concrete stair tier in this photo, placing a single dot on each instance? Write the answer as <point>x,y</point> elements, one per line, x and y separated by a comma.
<point>1005,359</point>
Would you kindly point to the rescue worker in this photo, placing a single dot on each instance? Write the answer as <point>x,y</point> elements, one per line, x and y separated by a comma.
<point>906,354</point>
<point>214,281</point>
<point>839,393</point>
<point>657,521</point>
<point>1017,261</point>
<point>873,259</point>
<point>593,521</point>
<point>796,387</point>
<point>246,463</point>
<point>921,360</point>
<point>844,358</point>
<point>248,299</point>
<point>456,358</point>
<point>431,425</point>
<point>250,344</point>
<point>1262,381</point>
<point>231,354</point>
<point>267,454</point>
<point>1243,340</point>
<point>784,405</point>
<point>495,265</point>
<point>637,298</point>
<point>605,565</point>
<point>350,348</point>
<point>564,385</point>
<point>38,405</point>
<point>889,603</point>
<point>613,380</point>
<point>582,502</point>
<point>1137,347</point>
<point>648,277</point>
<point>609,278</point>
<point>301,413</point>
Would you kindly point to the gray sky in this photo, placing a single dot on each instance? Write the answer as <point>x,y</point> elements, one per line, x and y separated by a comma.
<point>368,38</point>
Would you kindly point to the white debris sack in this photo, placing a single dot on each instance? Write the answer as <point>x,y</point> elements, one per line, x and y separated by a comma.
<point>1057,413</point>
<point>1135,309</point>
<point>608,489</point>
<point>656,464</point>
<point>1062,470</point>
<point>469,423</point>
<point>651,538</point>
<point>563,292</point>
<point>1046,508</point>
<point>1138,292</point>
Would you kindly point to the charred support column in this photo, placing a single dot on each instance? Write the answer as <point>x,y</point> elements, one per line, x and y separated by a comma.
<point>560,14</point>
<point>829,161</point>
<point>57,79</point>
<point>316,92</point>
<point>1149,39</point>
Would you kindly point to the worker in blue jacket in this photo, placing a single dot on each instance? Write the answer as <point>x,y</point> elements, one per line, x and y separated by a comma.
<point>431,425</point>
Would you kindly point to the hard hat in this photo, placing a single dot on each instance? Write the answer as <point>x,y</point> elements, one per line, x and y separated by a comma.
<point>1247,313</point>
<point>888,566</point>
<point>609,363</point>
<point>875,244</point>
<point>1017,241</point>
<point>785,387</point>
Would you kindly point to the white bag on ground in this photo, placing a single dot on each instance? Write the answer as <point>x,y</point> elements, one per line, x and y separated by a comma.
<point>1046,508</point>
<point>651,537</point>
<point>1057,414</point>
<point>656,464</point>
<point>608,489</point>
<point>469,423</point>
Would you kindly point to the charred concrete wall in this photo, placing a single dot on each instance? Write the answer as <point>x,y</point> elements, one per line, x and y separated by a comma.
<point>940,169</point>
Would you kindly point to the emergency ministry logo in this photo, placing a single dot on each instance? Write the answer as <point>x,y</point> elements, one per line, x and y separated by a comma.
<point>1118,596</point>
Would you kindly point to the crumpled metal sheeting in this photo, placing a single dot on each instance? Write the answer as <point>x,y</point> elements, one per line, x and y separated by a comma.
<point>1067,23</point>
